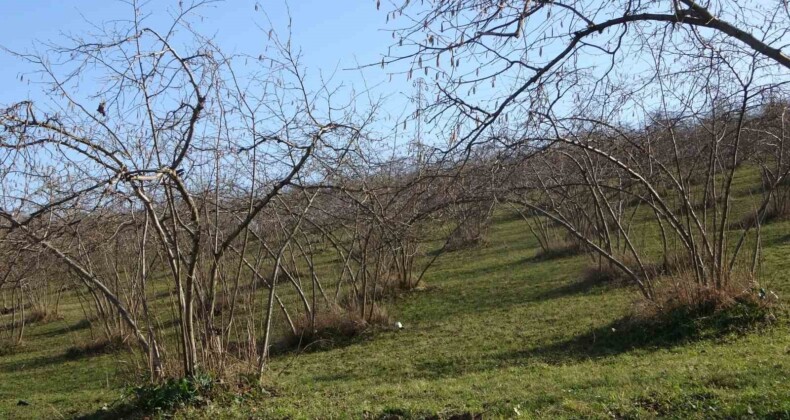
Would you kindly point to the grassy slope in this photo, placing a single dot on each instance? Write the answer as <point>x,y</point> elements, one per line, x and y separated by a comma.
<point>496,332</point>
<point>56,386</point>
<point>490,338</point>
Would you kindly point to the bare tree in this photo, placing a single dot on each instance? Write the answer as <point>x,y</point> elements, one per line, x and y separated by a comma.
<point>167,168</point>
<point>610,106</point>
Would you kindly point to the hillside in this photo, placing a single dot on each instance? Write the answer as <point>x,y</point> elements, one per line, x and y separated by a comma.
<point>494,331</point>
<point>406,210</point>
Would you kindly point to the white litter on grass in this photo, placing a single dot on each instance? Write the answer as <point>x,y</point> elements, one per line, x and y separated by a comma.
<point>398,325</point>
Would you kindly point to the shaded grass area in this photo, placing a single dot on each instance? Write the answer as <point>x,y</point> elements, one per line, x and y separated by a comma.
<point>674,327</point>
<point>54,380</point>
<point>501,331</point>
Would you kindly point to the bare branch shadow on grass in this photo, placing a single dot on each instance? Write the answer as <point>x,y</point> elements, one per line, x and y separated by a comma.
<point>478,297</point>
<point>81,325</point>
<point>71,354</point>
<point>522,287</point>
<point>334,377</point>
<point>624,335</point>
<point>121,411</point>
<point>284,347</point>
<point>776,240</point>
<point>673,328</point>
<point>592,280</point>
<point>37,363</point>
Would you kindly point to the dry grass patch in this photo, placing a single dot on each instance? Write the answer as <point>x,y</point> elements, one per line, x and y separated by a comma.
<point>559,249</point>
<point>332,327</point>
<point>684,307</point>
<point>99,346</point>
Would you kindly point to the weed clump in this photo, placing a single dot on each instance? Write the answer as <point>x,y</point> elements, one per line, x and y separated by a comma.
<point>173,393</point>
<point>700,312</point>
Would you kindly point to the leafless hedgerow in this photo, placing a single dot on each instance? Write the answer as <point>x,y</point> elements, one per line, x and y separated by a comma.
<point>221,184</point>
<point>171,175</point>
<point>600,109</point>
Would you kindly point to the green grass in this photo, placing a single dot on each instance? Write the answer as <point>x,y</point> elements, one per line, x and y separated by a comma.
<point>55,384</point>
<point>495,332</point>
<point>488,337</point>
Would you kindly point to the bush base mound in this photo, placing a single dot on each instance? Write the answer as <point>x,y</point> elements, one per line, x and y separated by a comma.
<point>331,328</point>
<point>704,313</point>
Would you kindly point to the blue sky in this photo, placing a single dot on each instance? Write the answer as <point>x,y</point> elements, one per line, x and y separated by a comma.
<point>331,34</point>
